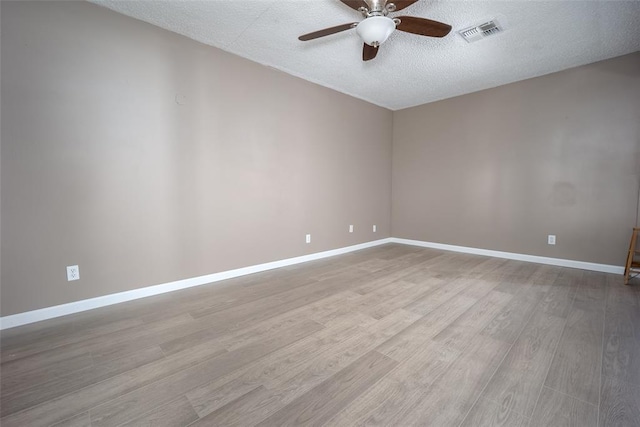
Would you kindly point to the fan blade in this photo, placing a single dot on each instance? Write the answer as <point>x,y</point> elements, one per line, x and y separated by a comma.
<point>423,27</point>
<point>355,4</point>
<point>369,52</point>
<point>401,4</point>
<point>327,31</point>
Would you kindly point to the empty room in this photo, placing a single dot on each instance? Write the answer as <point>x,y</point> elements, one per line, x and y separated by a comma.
<point>320,212</point>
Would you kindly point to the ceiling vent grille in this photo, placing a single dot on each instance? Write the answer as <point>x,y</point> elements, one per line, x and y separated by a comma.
<point>481,31</point>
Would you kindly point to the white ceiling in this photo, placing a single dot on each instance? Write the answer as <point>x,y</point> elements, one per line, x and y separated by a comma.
<point>541,37</point>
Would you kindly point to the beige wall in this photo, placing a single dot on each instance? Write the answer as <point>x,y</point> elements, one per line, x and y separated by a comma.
<point>145,157</point>
<point>503,168</point>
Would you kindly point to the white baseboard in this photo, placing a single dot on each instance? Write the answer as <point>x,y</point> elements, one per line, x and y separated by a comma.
<point>88,304</point>
<point>605,268</point>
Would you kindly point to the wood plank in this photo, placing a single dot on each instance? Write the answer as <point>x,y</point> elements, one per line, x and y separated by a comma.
<point>444,259</point>
<point>426,366</point>
<point>591,292</point>
<point>220,295</point>
<point>242,293</point>
<point>512,275</point>
<point>400,251</point>
<point>292,384</point>
<point>624,315</point>
<point>621,355</point>
<point>58,329</point>
<point>299,367</point>
<point>26,395</point>
<point>97,345</point>
<point>396,272</point>
<point>289,359</point>
<point>176,413</point>
<point>459,332</point>
<point>382,404</point>
<point>619,404</point>
<point>38,342</point>
<point>319,404</point>
<point>456,263</point>
<point>557,301</point>
<point>453,394</point>
<point>321,367</point>
<point>322,311</point>
<point>576,366</point>
<point>250,408</point>
<point>36,369</point>
<point>442,294</point>
<point>534,280</point>
<point>410,340</point>
<point>511,320</point>
<point>247,409</point>
<point>404,298</point>
<point>521,375</point>
<point>232,336</point>
<point>558,409</point>
<point>485,268</point>
<point>391,398</point>
<point>570,276</point>
<point>326,310</point>
<point>80,420</point>
<point>348,271</point>
<point>225,390</point>
<point>621,358</point>
<point>489,414</point>
<point>544,275</point>
<point>136,339</point>
<point>143,399</point>
<point>618,294</point>
<point>374,264</point>
<point>347,316</point>
<point>382,294</point>
<point>68,405</point>
<point>26,334</point>
<point>211,326</point>
<point>408,292</point>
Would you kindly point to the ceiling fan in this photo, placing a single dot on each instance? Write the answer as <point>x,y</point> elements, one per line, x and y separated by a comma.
<point>376,26</point>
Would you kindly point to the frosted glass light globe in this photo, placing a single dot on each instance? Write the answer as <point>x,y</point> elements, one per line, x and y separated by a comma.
<point>375,30</point>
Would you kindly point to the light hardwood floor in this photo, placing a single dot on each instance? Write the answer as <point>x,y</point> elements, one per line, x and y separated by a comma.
<point>393,335</point>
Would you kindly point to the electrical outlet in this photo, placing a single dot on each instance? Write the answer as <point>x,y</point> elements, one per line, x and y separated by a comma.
<point>351,229</point>
<point>73,273</point>
<point>551,239</point>
<point>374,229</point>
<point>308,238</point>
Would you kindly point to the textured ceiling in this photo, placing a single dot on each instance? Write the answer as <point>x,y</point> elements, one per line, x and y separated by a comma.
<point>540,37</point>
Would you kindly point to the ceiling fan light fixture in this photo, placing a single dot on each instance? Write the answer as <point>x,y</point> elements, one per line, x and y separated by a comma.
<point>375,30</point>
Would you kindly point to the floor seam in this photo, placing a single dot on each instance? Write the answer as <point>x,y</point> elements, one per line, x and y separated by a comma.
<point>569,395</point>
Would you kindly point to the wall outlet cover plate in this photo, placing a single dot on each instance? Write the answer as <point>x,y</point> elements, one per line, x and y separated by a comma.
<point>73,273</point>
